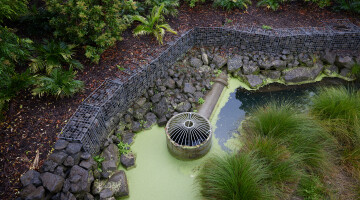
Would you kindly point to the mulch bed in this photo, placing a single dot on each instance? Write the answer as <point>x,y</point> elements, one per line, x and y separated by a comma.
<point>32,123</point>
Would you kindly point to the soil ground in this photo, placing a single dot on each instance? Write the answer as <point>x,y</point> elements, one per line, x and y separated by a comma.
<point>31,124</point>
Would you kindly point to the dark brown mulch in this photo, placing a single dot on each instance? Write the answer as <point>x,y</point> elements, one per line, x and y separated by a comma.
<point>32,123</point>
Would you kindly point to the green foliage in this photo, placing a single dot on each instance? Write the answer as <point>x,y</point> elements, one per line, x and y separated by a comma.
<point>201,100</point>
<point>301,134</point>
<point>311,188</point>
<point>60,83</point>
<point>52,55</point>
<point>266,27</point>
<point>10,9</point>
<point>270,4</point>
<point>170,6</point>
<point>152,24</point>
<point>355,70</point>
<point>348,5</point>
<point>233,177</point>
<point>96,25</point>
<point>129,8</point>
<point>99,160</point>
<point>124,148</point>
<point>193,2</point>
<point>36,22</point>
<point>320,3</point>
<point>232,4</point>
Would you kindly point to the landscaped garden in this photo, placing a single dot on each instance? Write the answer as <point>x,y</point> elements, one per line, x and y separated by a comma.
<point>85,88</point>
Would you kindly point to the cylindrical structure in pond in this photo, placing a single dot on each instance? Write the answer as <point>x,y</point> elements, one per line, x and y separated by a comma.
<point>188,135</point>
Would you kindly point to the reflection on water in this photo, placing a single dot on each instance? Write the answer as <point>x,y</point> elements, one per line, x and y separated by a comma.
<point>242,102</point>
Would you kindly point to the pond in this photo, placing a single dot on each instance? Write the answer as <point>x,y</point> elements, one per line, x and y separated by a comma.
<point>160,176</point>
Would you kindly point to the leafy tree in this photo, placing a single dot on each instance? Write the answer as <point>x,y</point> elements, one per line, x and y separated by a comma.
<point>53,55</point>
<point>96,25</point>
<point>169,6</point>
<point>153,24</point>
<point>60,83</point>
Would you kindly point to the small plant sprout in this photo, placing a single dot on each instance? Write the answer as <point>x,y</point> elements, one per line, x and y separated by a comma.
<point>266,27</point>
<point>98,159</point>
<point>218,72</point>
<point>124,148</point>
<point>203,90</point>
<point>211,82</point>
<point>228,21</point>
<point>120,68</point>
<point>201,100</point>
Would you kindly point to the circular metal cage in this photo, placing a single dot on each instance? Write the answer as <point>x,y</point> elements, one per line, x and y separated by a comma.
<point>188,135</point>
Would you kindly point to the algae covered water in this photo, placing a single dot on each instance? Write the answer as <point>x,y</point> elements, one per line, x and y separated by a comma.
<point>160,176</point>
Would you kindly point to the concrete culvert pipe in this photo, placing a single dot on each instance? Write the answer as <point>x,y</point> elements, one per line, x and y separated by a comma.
<point>188,134</point>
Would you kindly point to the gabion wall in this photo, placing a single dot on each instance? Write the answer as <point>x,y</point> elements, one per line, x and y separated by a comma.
<point>97,116</point>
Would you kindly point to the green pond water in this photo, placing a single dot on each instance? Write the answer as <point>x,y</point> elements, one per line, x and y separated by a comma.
<point>160,176</point>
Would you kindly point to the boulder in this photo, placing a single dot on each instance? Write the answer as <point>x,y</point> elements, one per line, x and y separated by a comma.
<point>108,166</point>
<point>27,190</point>
<point>219,61</point>
<point>136,126</point>
<point>60,144</point>
<point>189,88</point>
<point>35,194</point>
<point>30,177</point>
<point>250,69</point>
<point>196,62</point>
<point>150,119</point>
<point>140,102</point>
<point>162,121</point>
<point>328,57</point>
<point>183,107</point>
<point>234,64</point>
<point>127,137</point>
<point>302,74</point>
<point>156,98</point>
<point>139,113</point>
<point>265,65</point>
<point>272,74</point>
<point>52,182</point>
<point>170,83</point>
<point>279,64</point>
<point>98,186</point>
<point>127,160</point>
<point>88,164</point>
<point>58,157</point>
<point>161,108</point>
<point>286,52</point>
<point>106,193</point>
<point>60,171</point>
<point>73,148</point>
<point>329,70</point>
<point>49,166</point>
<point>205,58</point>
<point>82,186</point>
<point>344,61</point>
<point>118,184</point>
<point>85,156</point>
<point>254,80</point>
<point>111,153</point>
<point>345,72</point>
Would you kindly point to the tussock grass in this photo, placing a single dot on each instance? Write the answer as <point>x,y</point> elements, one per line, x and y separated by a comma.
<point>237,176</point>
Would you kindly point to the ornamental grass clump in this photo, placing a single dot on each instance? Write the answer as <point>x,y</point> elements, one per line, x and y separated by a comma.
<point>339,110</point>
<point>237,176</point>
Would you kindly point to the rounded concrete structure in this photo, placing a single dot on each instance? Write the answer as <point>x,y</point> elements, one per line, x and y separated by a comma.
<point>188,135</point>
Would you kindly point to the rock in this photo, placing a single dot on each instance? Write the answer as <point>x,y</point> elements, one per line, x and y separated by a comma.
<point>156,98</point>
<point>205,69</point>
<point>140,102</point>
<point>189,88</point>
<point>179,83</point>
<point>328,57</point>
<point>302,74</point>
<point>162,121</point>
<point>127,137</point>
<point>32,193</point>
<point>127,160</point>
<point>205,58</point>
<point>118,184</point>
<point>266,65</point>
<point>60,144</point>
<point>60,171</point>
<point>286,52</point>
<point>98,186</point>
<point>344,61</point>
<point>272,74</point>
<point>58,157</point>
<point>183,107</point>
<point>139,113</point>
<point>111,153</point>
<point>234,64</point>
<point>250,69</point>
<point>52,182</point>
<point>88,196</point>
<point>150,119</point>
<point>254,80</point>
<point>83,185</point>
<point>136,126</point>
<point>198,95</point>
<point>161,108</point>
<point>85,156</point>
<point>170,83</point>
<point>73,148</point>
<point>49,166</point>
<point>108,166</point>
<point>67,196</point>
<point>87,164</point>
<point>279,64</point>
<point>219,61</point>
<point>331,69</point>
<point>195,62</point>
<point>106,193</point>
<point>30,177</point>
<point>345,72</point>
<point>27,190</point>
<point>69,161</point>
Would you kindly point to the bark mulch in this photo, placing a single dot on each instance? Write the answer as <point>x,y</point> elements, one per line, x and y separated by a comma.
<point>32,123</point>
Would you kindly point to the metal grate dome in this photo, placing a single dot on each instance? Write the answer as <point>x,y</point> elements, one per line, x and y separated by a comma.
<point>188,135</point>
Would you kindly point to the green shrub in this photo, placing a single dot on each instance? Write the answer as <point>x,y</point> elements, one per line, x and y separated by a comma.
<point>10,9</point>
<point>52,55</point>
<point>60,83</point>
<point>233,177</point>
<point>355,70</point>
<point>170,6</point>
<point>36,22</point>
<point>312,188</point>
<point>96,25</point>
<point>193,2</point>
<point>347,5</point>
<point>271,4</point>
<point>302,135</point>
<point>129,8</point>
<point>320,3</point>
<point>153,24</point>
<point>232,4</point>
